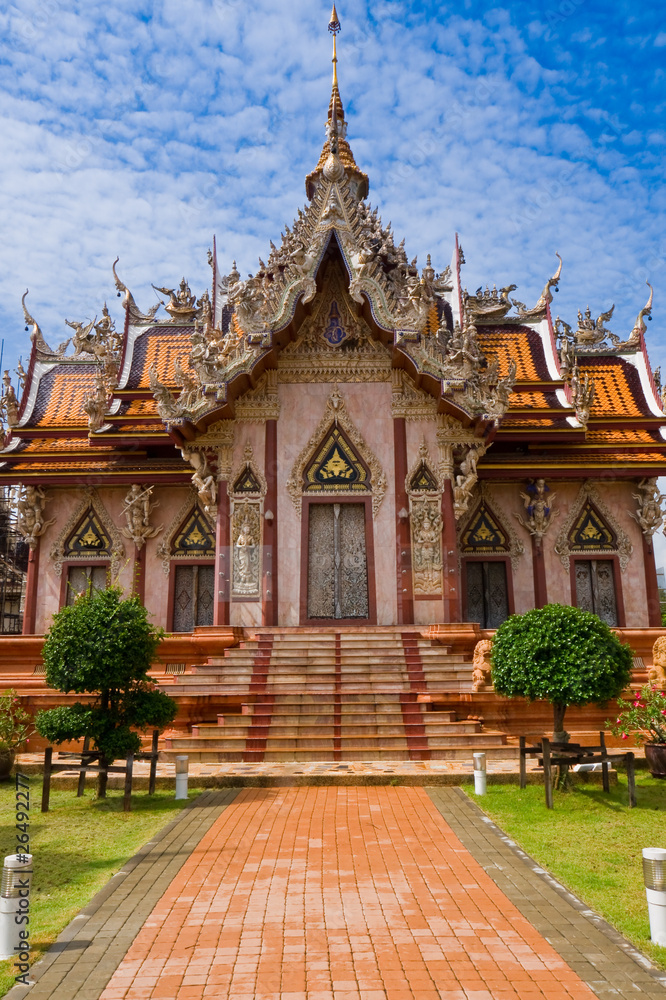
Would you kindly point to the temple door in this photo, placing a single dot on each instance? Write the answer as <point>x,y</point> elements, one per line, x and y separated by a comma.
<point>337,561</point>
<point>487,597</point>
<point>595,588</point>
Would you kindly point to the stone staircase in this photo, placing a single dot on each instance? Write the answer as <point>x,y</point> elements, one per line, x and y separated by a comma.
<point>327,695</point>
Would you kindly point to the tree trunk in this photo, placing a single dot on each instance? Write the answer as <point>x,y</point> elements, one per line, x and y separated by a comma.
<point>102,777</point>
<point>559,735</point>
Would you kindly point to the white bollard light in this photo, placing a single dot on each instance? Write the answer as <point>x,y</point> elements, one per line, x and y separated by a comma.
<point>654,875</point>
<point>15,906</point>
<point>181,777</point>
<point>479,773</point>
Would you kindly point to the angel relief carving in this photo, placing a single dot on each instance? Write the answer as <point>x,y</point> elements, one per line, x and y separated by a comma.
<point>246,535</point>
<point>426,525</point>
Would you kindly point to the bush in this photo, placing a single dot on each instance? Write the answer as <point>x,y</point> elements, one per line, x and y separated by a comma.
<point>562,655</point>
<point>104,646</point>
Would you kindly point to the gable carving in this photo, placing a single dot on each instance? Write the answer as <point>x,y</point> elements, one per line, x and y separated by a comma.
<point>336,460</point>
<point>591,527</point>
<point>484,532</point>
<point>334,344</point>
<point>189,535</point>
<point>89,535</point>
<point>422,477</point>
<point>248,479</point>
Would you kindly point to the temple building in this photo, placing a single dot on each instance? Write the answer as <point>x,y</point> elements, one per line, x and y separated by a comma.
<point>343,438</point>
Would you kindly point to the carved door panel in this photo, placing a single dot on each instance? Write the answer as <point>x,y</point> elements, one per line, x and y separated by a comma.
<point>487,593</point>
<point>595,588</point>
<point>337,561</point>
<point>194,597</point>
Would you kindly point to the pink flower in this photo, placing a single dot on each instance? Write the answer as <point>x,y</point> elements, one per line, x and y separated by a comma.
<point>624,736</point>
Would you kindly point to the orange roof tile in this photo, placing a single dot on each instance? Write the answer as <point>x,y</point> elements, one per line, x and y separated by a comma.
<point>160,346</point>
<point>519,344</point>
<point>617,391</point>
<point>60,396</point>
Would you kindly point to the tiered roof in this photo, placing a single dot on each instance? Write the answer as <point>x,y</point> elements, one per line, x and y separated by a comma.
<point>544,396</point>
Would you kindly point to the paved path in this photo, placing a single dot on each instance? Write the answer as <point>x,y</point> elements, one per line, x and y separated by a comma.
<point>338,894</point>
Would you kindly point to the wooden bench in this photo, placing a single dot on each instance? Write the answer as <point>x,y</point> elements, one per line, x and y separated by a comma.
<point>88,761</point>
<point>551,754</point>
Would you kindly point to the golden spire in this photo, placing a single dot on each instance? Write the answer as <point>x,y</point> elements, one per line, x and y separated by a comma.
<point>335,108</point>
<point>336,129</point>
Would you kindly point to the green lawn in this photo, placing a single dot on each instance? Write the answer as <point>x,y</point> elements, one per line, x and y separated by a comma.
<point>77,846</point>
<point>591,842</point>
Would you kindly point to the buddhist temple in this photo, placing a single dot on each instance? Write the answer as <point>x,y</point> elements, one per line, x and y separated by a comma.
<point>343,440</point>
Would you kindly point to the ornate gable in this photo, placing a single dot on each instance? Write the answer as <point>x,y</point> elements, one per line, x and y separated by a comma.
<point>483,532</point>
<point>336,459</point>
<point>88,535</point>
<point>591,528</point>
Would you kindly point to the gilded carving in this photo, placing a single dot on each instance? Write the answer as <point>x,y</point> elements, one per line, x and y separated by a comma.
<point>247,478</point>
<point>423,475</point>
<point>484,501</point>
<point>588,494</point>
<point>262,403</point>
<point>246,524</point>
<point>336,414</point>
<point>90,503</point>
<point>165,548</point>
<point>409,402</point>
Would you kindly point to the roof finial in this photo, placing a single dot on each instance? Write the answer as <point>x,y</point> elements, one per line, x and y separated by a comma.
<point>334,27</point>
<point>335,110</point>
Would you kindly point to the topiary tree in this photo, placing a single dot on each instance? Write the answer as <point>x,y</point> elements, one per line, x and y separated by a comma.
<point>103,645</point>
<point>560,654</point>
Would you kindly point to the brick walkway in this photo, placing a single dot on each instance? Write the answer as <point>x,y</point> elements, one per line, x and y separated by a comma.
<point>336,894</point>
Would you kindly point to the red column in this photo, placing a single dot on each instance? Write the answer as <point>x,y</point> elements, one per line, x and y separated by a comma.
<point>222,557</point>
<point>539,570</point>
<point>452,599</point>
<point>403,539</point>
<point>651,586</point>
<point>30,607</point>
<point>269,606</point>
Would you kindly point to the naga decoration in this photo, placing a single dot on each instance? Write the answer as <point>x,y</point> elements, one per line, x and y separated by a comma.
<point>137,511</point>
<point>640,328</point>
<point>30,523</point>
<point>540,512</point>
<point>650,515</point>
<point>136,317</point>
<point>538,311</point>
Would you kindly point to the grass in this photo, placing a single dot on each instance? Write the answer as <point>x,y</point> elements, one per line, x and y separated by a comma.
<point>591,842</point>
<point>77,846</point>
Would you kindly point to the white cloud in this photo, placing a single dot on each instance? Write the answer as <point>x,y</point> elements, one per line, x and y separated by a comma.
<point>140,131</point>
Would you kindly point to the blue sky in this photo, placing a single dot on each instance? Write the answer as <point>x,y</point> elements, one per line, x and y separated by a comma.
<point>140,129</point>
